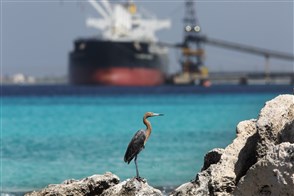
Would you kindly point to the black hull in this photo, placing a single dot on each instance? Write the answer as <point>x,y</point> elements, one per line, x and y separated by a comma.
<point>91,55</point>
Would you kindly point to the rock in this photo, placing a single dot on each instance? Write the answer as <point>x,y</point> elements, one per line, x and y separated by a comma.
<point>132,187</point>
<point>212,157</point>
<point>189,188</point>
<point>106,185</point>
<point>93,185</point>
<point>219,177</point>
<point>252,158</point>
<point>271,175</point>
<point>275,123</point>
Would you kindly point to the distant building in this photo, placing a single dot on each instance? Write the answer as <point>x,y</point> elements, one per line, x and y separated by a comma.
<point>20,78</point>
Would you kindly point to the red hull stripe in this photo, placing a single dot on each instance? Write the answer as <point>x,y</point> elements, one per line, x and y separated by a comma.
<point>128,77</point>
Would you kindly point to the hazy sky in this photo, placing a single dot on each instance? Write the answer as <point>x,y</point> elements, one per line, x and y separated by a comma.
<point>38,35</point>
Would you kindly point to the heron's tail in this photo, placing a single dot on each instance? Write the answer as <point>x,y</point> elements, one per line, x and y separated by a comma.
<point>127,158</point>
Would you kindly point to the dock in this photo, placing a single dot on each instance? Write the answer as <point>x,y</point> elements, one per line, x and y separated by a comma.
<point>244,78</point>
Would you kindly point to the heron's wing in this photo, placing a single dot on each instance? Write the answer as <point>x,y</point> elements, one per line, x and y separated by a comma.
<point>135,146</point>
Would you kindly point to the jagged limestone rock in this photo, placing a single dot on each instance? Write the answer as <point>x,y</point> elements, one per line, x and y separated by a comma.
<point>219,177</point>
<point>212,157</point>
<point>105,185</point>
<point>93,185</point>
<point>271,175</point>
<point>132,187</point>
<point>275,123</point>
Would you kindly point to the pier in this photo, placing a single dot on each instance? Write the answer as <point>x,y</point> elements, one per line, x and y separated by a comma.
<point>245,78</point>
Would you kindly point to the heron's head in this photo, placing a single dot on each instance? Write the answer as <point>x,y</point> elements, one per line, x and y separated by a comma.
<point>151,114</point>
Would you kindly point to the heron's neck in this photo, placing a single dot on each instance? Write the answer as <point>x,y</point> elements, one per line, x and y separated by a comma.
<point>148,128</point>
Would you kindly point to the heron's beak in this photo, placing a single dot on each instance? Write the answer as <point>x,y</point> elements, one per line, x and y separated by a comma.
<point>157,114</point>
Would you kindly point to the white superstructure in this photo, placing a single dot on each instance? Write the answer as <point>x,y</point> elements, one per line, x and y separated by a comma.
<point>122,22</point>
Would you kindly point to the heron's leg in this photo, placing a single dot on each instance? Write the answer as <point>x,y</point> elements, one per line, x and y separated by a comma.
<point>137,171</point>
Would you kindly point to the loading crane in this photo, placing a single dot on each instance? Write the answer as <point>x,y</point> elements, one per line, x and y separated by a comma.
<point>191,60</point>
<point>193,69</point>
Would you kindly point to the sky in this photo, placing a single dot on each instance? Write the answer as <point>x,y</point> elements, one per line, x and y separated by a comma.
<point>37,36</point>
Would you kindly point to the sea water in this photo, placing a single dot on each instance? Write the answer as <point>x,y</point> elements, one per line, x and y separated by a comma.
<point>48,139</point>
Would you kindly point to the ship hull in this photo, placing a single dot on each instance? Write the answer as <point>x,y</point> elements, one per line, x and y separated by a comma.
<point>117,63</point>
<point>118,76</point>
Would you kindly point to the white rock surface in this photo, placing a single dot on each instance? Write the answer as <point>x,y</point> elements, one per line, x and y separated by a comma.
<point>93,185</point>
<point>132,187</point>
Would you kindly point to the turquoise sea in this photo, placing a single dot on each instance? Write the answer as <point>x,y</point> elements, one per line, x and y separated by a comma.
<point>49,137</point>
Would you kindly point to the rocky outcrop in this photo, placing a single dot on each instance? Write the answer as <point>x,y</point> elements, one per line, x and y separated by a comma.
<point>258,162</point>
<point>132,187</point>
<point>105,185</point>
<point>93,185</point>
<point>275,123</point>
<point>271,175</point>
<point>219,177</point>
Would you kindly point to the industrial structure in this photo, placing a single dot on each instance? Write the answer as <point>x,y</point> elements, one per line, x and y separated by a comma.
<point>193,68</point>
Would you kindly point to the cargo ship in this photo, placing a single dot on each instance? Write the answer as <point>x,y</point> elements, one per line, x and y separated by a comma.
<point>127,51</point>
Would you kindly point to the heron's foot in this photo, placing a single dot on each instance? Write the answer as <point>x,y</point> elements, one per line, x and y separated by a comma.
<point>141,179</point>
